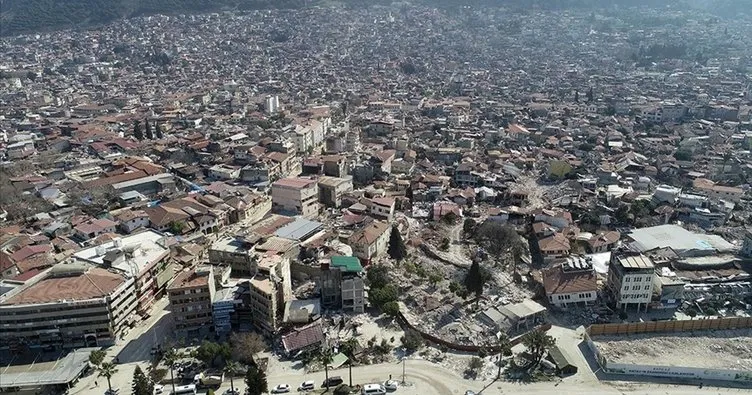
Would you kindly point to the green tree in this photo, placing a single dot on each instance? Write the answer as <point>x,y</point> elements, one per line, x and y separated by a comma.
<point>255,379</point>
<point>137,133</point>
<point>209,352</point>
<point>325,356</point>
<point>176,227</point>
<point>141,384</point>
<point>412,340</point>
<point>537,343</point>
<point>97,357</point>
<point>505,349</point>
<point>171,357</point>
<point>230,370</point>
<point>589,95</point>
<point>683,155</point>
<point>378,276</point>
<point>450,218</point>
<point>474,365</point>
<point>474,280</point>
<point>149,135</point>
<point>397,249</point>
<point>576,97</point>
<point>391,308</point>
<point>381,296</point>
<point>158,131</point>
<point>348,348</point>
<point>342,389</point>
<point>107,370</point>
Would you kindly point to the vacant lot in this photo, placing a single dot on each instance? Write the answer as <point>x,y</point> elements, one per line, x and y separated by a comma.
<point>731,349</point>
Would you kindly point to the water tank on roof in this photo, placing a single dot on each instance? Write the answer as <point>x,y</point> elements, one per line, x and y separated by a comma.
<point>117,242</point>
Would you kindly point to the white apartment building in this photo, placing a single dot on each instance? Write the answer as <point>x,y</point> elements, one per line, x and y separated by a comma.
<point>296,196</point>
<point>630,279</point>
<point>572,282</point>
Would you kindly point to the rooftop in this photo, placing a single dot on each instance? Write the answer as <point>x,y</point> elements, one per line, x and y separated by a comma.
<point>634,261</point>
<point>347,263</point>
<point>294,183</point>
<point>679,239</point>
<point>300,229</point>
<point>142,249</point>
<point>76,285</point>
<point>191,279</point>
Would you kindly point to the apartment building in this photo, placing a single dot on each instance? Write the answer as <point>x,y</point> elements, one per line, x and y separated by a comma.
<point>68,306</point>
<point>571,282</point>
<point>191,296</point>
<point>630,279</point>
<point>341,284</point>
<point>270,289</point>
<point>331,190</point>
<point>235,252</point>
<point>143,256</point>
<point>297,196</point>
<point>371,241</point>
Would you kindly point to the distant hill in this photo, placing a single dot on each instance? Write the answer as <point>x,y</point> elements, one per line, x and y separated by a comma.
<point>25,16</point>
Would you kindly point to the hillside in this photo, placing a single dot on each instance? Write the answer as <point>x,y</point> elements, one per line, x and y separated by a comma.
<point>25,16</point>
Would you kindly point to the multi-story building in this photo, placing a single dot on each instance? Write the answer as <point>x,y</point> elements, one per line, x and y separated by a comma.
<point>382,207</point>
<point>295,196</point>
<point>68,306</point>
<point>371,241</point>
<point>191,296</point>
<point>572,282</point>
<point>630,279</point>
<point>270,289</point>
<point>341,284</point>
<point>331,190</point>
<point>236,253</point>
<point>143,256</point>
<point>223,309</point>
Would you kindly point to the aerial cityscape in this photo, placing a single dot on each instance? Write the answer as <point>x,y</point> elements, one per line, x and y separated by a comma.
<point>418,198</point>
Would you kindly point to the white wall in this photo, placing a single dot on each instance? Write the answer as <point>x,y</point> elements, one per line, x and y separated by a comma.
<point>578,297</point>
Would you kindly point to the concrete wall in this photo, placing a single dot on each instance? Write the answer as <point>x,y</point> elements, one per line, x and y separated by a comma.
<point>684,372</point>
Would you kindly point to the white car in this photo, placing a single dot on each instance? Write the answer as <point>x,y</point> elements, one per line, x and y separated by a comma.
<point>231,391</point>
<point>468,392</point>
<point>390,385</point>
<point>281,389</point>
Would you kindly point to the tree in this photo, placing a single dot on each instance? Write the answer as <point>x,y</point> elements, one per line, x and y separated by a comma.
<point>474,279</point>
<point>245,346</point>
<point>176,227</point>
<point>450,218</point>
<point>230,370</point>
<point>537,343</point>
<point>468,227</point>
<point>137,133</point>
<point>158,131</point>
<point>107,370</point>
<point>171,357</point>
<point>141,384</point>
<point>589,95</point>
<point>397,249</point>
<point>348,348</point>
<point>497,238</point>
<point>474,365</point>
<point>149,135</point>
<point>445,243</point>
<point>326,357</point>
<point>255,379</point>
<point>412,340</point>
<point>505,349</point>
<point>391,309</point>
<point>378,276</point>
<point>683,155</point>
<point>576,97</point>
<point>208,352</point>
<point>97,357</point>
<point>378,297</point>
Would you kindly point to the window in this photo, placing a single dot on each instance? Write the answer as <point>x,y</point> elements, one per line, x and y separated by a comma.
<point>626,280</point>
<point>647,287</point>
<point>638,279</point>
<point>635,288</point>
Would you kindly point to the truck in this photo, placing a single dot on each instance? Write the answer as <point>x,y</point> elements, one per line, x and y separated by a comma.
<point>208,379</point>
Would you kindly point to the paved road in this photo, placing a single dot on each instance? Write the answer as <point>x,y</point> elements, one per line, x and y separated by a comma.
<point>134,350</point>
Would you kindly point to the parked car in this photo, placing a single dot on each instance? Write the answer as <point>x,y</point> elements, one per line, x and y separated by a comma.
<point>281,389</point>
<point>232,391</point>
<point>307,386</point>
<point>332,382</point>
<point>390,385</point>
<point>158,389</point>
<point>468,392</point>
<point>373,389</point>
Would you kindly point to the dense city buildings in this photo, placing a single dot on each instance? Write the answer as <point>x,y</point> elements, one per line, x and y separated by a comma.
<point>372,182</point>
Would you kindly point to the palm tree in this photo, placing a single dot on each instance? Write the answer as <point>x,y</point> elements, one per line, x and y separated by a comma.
<point>326,357</point>
<point>171,357</point>
<point>538,342</point>
<point>348,348</point>
<point>107,370</point>
<point>230,368</point>
<point>505,348</point>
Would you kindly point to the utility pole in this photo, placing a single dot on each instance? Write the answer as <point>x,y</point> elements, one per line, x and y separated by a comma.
<point>403,369</point>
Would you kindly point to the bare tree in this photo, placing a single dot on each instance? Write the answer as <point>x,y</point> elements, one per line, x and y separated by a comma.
<point>245,346</point>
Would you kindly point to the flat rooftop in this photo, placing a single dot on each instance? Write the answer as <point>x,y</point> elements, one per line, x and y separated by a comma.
<point>190,279</point>
<point>42,370</point>
<point>147,249</point>
<point>678,238</point>
<point>72,286</point>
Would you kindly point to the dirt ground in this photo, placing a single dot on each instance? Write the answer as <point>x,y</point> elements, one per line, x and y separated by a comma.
<point>731,349</point>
